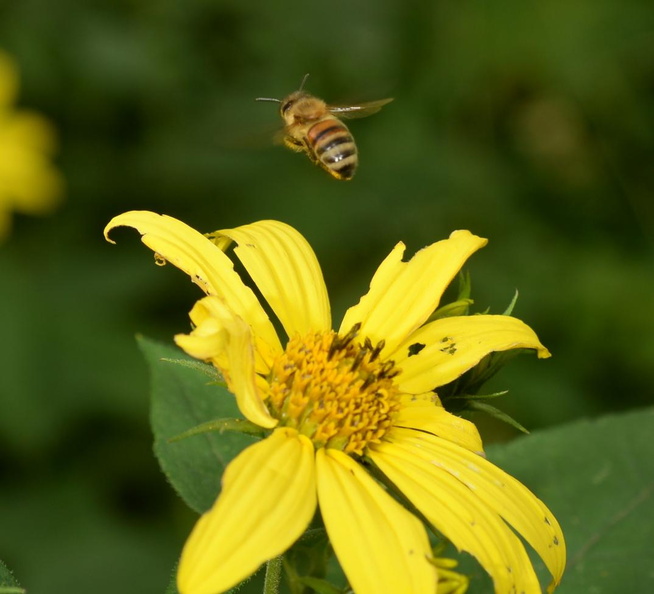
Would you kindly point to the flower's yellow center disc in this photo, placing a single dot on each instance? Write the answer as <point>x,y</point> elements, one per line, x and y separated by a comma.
<point>335,391</point>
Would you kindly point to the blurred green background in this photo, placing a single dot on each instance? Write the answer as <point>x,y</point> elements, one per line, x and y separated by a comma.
<point>529,123</point>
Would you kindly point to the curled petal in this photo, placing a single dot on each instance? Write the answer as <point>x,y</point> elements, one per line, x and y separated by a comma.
<point>268,498</point>
<point>403,295</point>
<point>285,268</point>
<point>448,347</point>
<point>382,548</point>
<point>221,337</point>
<point>207,266</point>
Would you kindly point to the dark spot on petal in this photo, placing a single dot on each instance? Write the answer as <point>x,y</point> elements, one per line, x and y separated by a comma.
<point>415,348</point>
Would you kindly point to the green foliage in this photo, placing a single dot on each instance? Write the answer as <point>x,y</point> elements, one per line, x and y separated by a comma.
<point>8,583</point>
<point>597,476</point>
<point>181,400</point>
<point>529,123</point>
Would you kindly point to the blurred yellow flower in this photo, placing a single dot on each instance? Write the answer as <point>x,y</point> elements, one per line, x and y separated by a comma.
<point>341,404</point>
<point>29,183</point>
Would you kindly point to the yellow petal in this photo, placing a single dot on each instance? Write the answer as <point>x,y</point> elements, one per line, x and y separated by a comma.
<point>207,266</point>
<point>209,336</point>
<point>268,499</point>
<point>424,415</point>
<point>464,515</point>
<point>501,492</point>
<point>404,294</point>
<point>454,345</point>
<point>284,267</point>
<point>457,513</point>
<point>226,340</point>
<point>382,548</point>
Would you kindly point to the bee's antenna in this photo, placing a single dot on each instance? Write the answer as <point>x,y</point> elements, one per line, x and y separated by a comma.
<point>303,81</point>
<point>268,99</point>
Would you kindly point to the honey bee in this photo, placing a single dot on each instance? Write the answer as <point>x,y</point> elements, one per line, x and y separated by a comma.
<point>311,126</point>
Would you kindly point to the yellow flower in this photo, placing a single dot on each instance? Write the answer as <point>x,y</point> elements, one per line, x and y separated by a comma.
<point>342,404</point>
<point>28,182</point>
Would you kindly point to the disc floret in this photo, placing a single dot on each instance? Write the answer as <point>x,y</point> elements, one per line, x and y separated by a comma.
<point>335,390</point>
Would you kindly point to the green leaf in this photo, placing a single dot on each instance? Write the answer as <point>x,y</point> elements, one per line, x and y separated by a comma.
<point>252,585</point>
<point>8,583</point>
<point>208,370</point>
<point>182,399</point>
<point>598,478</point>
<point>172,584</point>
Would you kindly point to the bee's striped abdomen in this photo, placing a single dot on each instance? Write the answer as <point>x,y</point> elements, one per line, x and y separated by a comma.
<point>333,147</point>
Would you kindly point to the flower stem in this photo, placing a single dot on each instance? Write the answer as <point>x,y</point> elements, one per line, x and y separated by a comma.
<point>273,576</point>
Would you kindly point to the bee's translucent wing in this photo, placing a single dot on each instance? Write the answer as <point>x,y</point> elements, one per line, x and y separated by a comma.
<point>358,111</point>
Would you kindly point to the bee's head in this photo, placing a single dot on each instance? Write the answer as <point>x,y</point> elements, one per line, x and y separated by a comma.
<point>288,102</point>
<point>299,105</point>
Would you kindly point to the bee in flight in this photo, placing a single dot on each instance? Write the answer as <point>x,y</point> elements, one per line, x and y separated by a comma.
<point>312,126</point>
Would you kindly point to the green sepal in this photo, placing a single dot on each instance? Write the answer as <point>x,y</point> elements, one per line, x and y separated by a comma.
<point>468,397</point>
<point>456,393</point>
<point>221,426</point>
<point>465,285</point>
<point>462,395</point>
<point>461,305</point>
<point>320,586</point>
<point>475,403</point>
<point>492,411</point>
<point>509,310</point>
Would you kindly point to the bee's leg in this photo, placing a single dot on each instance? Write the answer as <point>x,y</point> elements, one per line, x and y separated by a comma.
<point>294,145</point>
